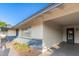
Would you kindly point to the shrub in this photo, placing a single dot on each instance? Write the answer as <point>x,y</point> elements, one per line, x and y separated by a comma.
<point>20,46</point>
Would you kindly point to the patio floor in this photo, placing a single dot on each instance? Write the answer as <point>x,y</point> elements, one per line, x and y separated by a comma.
<point>66,50</point>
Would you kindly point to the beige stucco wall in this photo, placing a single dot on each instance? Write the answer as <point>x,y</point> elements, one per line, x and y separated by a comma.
<point>76,32</point>
<point>11,32</point>
<point>55,34</point>
<point>36,28</point>
<point>52,34</point>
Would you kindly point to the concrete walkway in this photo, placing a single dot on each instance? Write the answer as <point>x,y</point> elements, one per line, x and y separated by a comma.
<point>4,52</point>
<point>66,50</point>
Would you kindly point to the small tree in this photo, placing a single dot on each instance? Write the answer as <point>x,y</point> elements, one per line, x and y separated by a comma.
<point>3,27</point>
<point>3,24</point>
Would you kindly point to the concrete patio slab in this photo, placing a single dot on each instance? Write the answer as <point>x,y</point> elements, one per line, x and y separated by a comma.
<point>66,50</point>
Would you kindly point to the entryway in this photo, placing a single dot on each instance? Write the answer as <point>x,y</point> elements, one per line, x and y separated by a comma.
<point>70,35</point>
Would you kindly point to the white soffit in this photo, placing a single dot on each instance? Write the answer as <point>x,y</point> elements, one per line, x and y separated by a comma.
<point>71,19</point>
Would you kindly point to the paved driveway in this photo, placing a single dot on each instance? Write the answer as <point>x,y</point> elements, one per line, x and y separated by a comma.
<point>66,50</point>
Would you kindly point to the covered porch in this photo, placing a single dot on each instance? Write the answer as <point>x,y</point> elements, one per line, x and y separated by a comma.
<point>56,31</point>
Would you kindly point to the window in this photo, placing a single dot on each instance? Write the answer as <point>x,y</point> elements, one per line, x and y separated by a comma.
<point>26,33</point>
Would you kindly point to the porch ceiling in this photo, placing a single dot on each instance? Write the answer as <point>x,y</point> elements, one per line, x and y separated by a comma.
<point>71,19</point>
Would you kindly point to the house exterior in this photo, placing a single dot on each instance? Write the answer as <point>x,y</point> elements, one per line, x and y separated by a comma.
<point>8,32</point>
<point>53,25</point>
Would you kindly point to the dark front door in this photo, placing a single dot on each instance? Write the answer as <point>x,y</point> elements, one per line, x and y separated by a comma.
<point>17,32</point>
<point>70,35</point>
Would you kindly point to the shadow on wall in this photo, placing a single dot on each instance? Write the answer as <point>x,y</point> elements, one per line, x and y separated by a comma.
<point>10,38</point>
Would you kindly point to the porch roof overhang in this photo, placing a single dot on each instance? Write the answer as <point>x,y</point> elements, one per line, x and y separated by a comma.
<point>69,19</point>
<point>51,6</point>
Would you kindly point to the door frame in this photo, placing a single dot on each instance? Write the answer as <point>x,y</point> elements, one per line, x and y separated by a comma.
<point>67,34</point>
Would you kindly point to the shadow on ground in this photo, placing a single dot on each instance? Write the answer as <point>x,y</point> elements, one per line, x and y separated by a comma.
<point>66,50</point>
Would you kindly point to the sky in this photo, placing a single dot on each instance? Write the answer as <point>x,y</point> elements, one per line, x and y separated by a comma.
<point>13,13</point>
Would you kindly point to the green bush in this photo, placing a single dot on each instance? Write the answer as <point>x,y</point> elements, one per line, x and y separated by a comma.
<point>20,46</point>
